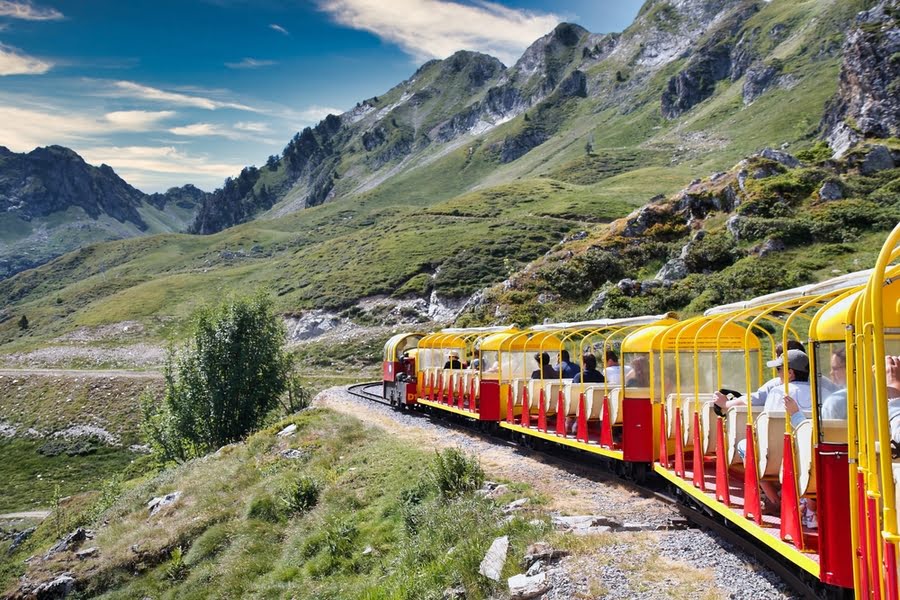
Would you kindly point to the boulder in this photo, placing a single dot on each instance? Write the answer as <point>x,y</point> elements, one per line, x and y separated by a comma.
<point>492,564</point>
<point>598,302</point>
<point>770,246</point>
<point>19,539</point>
<point>878,159</point>
<point>157,504</point>
<point>69,542</point>
<point>534,569</point>
<point>57,588</point>
<point>522,587</point>
<point>292,454</point>
<point>830,190</point>
<point>673,270</point>
<point>733,225</point>
<point>542,552</point>
<point>454,593</point>
<point>778,156</point>
<point>289,430</point>
<point>87,553</point>
<point>515,505</point>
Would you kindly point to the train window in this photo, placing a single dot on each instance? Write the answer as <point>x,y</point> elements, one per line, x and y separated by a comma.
<point>734,371</point>
<point>637,369</point>
<point>831,390</point>
<point>514,365</point>
<point>490,364</point>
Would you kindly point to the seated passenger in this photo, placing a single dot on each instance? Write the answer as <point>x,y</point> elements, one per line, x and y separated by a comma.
<point>613,371</point>
<point>639,376</point>
<point>566,367</point>
<point>453,360</point>
<point>835,404</point>
<point>589,374</point>
<point>759,397</point>
<point>544,370</point>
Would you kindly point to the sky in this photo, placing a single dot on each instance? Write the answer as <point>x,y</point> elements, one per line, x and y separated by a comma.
<point>169,92</point>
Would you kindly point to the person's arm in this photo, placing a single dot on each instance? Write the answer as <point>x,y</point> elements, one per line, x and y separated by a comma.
<point>793,409</point>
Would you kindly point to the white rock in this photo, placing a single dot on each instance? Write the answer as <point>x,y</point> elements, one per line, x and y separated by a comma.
<point>522,587</point>
<point>157,504</point>
<point>493,561</point>
<point>515,505</point>
<point>289,430</point>
<point>534,569</point>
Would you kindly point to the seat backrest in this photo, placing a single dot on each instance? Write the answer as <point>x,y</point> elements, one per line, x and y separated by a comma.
<point>593,401</point>
<point>708,427</point>
<point>806,471</point>
<point>671,403</point>
<point>770,439</point>
<point>833,430</point>
<point>518,386</point>
<point>736,430</point>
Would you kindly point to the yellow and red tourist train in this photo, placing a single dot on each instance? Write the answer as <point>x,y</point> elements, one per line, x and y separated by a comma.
<point>779,415</point>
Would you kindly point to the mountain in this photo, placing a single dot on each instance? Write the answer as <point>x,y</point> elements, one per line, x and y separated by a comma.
<point>52,202</point>
<point>469,173</point>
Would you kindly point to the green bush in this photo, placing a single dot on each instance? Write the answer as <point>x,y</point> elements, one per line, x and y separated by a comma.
<point>223,383</point>
<point>713,252</point>
<point>816,153</point>
<point>301,495</point>
<point>264,508</point>
<point>456,473</point>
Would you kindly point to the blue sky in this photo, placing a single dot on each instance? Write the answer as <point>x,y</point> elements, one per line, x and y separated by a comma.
<point>180,91</point>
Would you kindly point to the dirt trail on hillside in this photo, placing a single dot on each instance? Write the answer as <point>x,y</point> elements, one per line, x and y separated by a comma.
<point>81,373</point>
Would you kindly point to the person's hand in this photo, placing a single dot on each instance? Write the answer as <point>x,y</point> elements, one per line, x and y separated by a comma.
<point>720,399</point>
<point>790,405</point>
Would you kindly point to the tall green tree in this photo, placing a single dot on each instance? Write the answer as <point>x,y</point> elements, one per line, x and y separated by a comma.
<point>223,382</point>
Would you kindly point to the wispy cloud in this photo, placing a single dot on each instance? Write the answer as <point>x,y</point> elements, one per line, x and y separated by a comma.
<point>154,166</point>
<point>314,114</point>
<point>28,12</point>
<point>238,131</point>
<point>137,120</point>
<point>14,62</point>
<point>24,128</point>
<point>129,89</point>
<point>250,63</point>
<point>438,28</point>
<point>279,29</point>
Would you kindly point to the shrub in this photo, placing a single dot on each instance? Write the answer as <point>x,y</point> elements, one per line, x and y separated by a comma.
<point>264,508</point>
<point>816,153</point>
<point>222,384</point>
<point>175,569</point>
<point>456,473</point>
<point>296,396</point>
<point>713,252</point>
<point>301,495</point>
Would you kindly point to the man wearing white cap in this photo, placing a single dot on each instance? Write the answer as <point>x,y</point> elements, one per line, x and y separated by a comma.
<point>798,401</point>
<point>453,360</point>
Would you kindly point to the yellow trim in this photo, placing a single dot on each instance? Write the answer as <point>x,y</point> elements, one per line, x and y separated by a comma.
<point>452,409</point>
<point>784,549</point>
<point>552,437</point>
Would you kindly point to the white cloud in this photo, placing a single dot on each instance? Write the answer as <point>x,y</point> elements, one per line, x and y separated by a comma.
<point>28,12</point>
<point>129,89</point>
<point>438,28</point>
<point>314,114</point>
<point>153,167</point>
<point>13,62</point>
<point>137,120</point>
<point>250,63</point>
<point>279,29</point>
<point>238,131</point>
<point>252,127</point>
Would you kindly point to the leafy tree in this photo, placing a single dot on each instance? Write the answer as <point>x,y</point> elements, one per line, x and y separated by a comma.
<point>23,323</point>
<point>221,385</point>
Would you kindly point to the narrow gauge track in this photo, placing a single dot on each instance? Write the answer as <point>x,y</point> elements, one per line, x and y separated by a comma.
<point>653,488</point>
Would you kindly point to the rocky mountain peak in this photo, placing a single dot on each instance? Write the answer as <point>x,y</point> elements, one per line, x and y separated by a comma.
<point>551,53</point>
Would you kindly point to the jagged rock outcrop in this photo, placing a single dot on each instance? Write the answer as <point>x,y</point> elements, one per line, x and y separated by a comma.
<point>718,58</point>
<point>52,179</point>
<point>868,100</point>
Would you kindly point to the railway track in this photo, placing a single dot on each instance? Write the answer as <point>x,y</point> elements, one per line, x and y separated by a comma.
<point>696,514</point>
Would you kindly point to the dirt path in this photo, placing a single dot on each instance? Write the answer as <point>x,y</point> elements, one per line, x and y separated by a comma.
<point>30,514</point>
<point>81,373</point>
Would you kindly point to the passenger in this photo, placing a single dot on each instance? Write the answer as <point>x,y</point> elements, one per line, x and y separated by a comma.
<point>797,404</point>
<point>759,397</point>
<point>453,360</point>
<point>639,376</point>
<point>590,374</point>
<point>892,373</point>
<point>835,405</point>
<point>566,367</point>
<point>613,371</point>
<point>544,370</point>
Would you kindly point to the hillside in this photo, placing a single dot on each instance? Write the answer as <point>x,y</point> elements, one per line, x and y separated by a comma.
<point>417,200</point>
<point>52,202</point>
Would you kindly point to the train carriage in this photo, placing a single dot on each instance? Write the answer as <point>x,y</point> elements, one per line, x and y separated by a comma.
<point>702,403</point>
